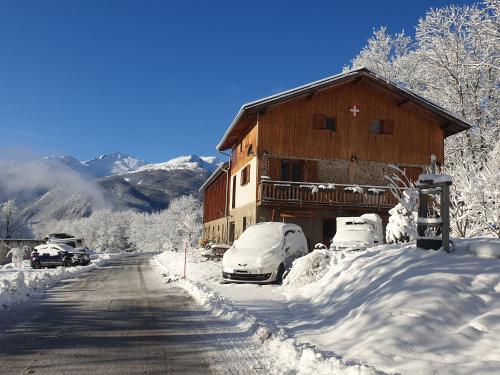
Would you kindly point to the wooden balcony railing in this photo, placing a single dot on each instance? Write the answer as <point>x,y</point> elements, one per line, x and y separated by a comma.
<point>320,194</point>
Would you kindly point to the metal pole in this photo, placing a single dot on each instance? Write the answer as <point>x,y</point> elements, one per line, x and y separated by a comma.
<point>445,217</point>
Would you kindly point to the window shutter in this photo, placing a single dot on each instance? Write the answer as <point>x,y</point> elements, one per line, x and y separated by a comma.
<point>387,126</point>
<point>318,121</point>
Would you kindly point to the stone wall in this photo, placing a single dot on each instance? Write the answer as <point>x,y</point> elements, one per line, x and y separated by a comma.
<point>359,172</point>
<point>216,230</point>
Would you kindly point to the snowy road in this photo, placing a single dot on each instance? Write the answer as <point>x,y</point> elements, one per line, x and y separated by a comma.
<point>121,319</point>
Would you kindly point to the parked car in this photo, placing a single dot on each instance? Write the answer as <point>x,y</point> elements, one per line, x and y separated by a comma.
<point>358,233</point>
<point>54,255</point>
<point>263,253</point>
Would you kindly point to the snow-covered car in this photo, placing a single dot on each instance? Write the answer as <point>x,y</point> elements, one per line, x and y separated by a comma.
<point>358,233</point>
<point>64,238</point>
<point>263,253</point>
<point>54,255</point>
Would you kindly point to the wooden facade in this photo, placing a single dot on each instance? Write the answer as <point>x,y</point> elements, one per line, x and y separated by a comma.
<point>214,198</point>
<point>287,129</point>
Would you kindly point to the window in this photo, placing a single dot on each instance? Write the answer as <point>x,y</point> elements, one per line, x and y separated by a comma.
<point>245,175</point>
<point>233,200</point>
<point>381,126</point>
<point>375,127</point>
<point>244,223</point>
<point>285,171</point>
<point>325,122</point>
<point>292,170</point>
<point>296,171</point>
<point>250,150</point>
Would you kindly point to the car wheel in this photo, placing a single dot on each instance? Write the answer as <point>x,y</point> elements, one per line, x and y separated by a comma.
<point>67,263</point>
<point>36,265</point>
<point>279,275</point>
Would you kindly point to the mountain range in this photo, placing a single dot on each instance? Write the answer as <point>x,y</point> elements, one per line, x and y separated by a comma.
<point>59,187</point>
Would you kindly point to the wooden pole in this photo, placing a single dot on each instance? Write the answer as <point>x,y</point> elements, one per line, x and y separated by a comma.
<point>185,259</point>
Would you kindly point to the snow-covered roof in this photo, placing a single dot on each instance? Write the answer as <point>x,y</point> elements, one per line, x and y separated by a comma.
<point>457,123</point>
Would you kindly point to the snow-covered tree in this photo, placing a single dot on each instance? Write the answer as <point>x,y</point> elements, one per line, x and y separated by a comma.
<point>11,224</point>
<point>453,60</point>
<point>17,254</point>
<point>402,225</point>
<point>107,230</point>
<point>187,213</point>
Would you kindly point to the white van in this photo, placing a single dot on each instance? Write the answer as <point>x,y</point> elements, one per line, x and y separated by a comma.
<point>358,233</point>
<point>263,253</point>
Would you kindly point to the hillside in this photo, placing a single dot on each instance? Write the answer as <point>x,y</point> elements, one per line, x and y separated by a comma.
<point>58,187</point>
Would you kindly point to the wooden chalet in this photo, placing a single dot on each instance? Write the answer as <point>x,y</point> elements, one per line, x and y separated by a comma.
<point>319,151</point>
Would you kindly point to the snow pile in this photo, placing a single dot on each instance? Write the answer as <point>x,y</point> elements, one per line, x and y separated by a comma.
<point>486,248</point>
<point>407,310</point>
<point>394,307</point>
<point>17,283</point>
<point>310,267</point>
<point>434,178</point>
<point>239,302</point>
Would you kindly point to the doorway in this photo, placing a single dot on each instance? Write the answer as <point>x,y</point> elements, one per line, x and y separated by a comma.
<point>232,228</point>
<point>329,230</point>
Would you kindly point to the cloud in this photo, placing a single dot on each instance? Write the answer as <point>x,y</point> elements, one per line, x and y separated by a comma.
<point>28,179</point>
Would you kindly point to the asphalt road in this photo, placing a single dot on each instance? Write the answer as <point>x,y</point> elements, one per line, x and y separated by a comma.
<point>121,319</point>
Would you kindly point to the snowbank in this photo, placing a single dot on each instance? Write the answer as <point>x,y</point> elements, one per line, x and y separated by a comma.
<point>240,302</point>
<point>486,248</point>
<point>392,308</point>
<point>17,284</point>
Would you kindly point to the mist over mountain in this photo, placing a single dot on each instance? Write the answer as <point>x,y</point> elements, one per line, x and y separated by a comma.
<point>58,187</point>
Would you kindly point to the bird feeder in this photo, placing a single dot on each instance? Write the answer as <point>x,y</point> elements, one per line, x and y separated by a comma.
<point>433,221</point>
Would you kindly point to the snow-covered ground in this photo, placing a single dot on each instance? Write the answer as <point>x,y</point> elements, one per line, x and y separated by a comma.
<point>390,309</point>
<point>17,284</point>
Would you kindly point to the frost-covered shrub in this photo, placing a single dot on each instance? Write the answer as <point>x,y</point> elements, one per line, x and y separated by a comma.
<point>308,268</point>
<point>401,226</point>
<point>17,255</point>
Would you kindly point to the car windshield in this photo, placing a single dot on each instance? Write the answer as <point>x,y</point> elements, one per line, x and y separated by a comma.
<point>260,237</point>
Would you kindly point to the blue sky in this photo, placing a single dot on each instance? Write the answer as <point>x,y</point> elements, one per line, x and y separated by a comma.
<point>157,79</point>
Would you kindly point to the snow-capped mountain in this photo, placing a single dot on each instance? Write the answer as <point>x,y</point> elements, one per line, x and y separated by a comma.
<point>119,163</point>
<point>189,162</point>
<point>111,164</point>
<point>57,187</point>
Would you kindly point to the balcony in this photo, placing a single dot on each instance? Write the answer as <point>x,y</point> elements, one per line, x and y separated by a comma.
<point>307,194</point>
